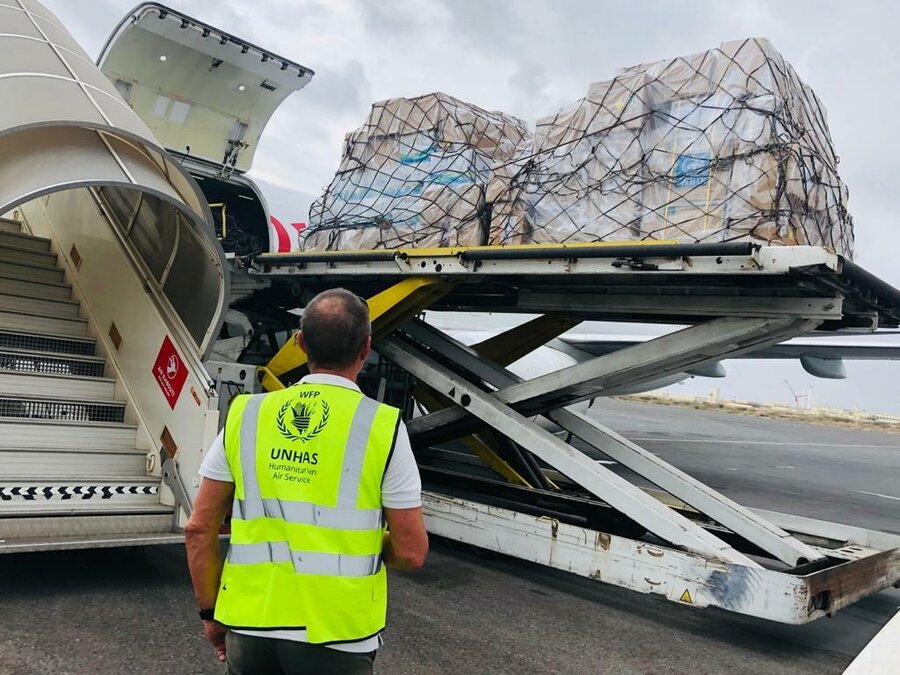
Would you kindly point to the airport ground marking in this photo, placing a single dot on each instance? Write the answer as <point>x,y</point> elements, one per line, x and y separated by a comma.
<point>878,494</point>
<point>739,442</point>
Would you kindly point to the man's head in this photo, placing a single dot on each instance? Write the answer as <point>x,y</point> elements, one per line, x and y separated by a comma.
<point>335,332</point>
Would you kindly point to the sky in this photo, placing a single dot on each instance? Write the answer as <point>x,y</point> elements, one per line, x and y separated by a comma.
<point>531,57</point>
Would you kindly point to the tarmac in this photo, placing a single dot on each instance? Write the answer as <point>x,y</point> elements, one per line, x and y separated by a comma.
<point>131,610</point>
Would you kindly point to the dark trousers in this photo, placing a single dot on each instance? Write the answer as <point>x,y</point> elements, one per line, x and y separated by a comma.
<point>251,655</point>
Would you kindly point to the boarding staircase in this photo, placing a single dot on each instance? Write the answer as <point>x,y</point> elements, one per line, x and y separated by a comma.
<point>71,475</point>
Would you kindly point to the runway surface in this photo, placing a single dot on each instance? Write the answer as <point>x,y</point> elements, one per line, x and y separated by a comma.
<point>124,611</point>
<point>831,473</point>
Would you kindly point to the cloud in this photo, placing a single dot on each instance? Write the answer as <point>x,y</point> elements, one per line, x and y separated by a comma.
<point>336,100</point>
<point>530,85</point>
<point>398,18</point>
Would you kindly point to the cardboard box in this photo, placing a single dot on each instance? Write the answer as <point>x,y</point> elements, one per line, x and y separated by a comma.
<point>414,174</point>
<point>721,145</point>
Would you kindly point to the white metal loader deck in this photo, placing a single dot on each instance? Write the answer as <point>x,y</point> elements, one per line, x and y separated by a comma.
<point>546,501</point>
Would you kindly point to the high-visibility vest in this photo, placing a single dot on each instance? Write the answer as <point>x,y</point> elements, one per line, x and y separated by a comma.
<point>307,525</point>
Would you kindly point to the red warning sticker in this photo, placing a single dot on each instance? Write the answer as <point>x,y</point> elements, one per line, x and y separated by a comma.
<point>170,372</point>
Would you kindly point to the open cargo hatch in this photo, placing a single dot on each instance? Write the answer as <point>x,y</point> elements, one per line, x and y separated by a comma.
<point>205,93</point>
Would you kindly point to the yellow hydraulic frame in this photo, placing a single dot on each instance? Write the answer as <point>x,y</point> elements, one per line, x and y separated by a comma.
<point>387,310</point>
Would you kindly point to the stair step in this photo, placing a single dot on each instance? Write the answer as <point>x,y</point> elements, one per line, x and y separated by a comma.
<point>69,496</point>
<point>23,360</point>
<point>26,321</point>
<point>30,433</point>
<point>35,289</point>
<point>43,342</point>
<point>14,383</point>
<point>107,528</point>
<point>35,272</point>
<point>39,544</point>
<point>7,225</point>
<point>29,256</point>
<point>22,240</point>
<point>61,409</point>
<point>59,463</point>
<point>18,302</point>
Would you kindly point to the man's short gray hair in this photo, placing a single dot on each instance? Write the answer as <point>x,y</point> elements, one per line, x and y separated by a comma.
<point>335,326</point>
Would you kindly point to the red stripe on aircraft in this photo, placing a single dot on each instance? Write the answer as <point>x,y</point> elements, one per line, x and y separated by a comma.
<point>284,239</point>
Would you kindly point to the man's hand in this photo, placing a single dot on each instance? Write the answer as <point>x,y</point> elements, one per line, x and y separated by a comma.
<point>215,633</point>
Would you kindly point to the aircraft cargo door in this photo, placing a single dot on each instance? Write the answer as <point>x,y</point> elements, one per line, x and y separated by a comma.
<point>204,93</point>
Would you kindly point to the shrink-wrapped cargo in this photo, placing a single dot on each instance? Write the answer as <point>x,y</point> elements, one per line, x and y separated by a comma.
<point>723,145</point>
<point>414,174</point>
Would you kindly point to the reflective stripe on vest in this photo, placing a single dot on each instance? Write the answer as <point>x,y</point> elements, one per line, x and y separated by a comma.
<point>304,513</point>
<point>305,562</point>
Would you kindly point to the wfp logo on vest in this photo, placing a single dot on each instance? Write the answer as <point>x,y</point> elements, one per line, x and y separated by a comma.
<point>295,421</point>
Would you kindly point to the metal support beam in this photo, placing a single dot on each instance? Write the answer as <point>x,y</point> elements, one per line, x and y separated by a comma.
<point>687,305</point>
<point>651,360</point>
<point>728,513</point>
<point>432,401</point>
<point>598,480</point>
<point>791,598</point>
<point>511,345</point>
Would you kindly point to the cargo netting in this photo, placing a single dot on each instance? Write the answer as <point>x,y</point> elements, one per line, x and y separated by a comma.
<point>723,145</point>
<point>415,174</point>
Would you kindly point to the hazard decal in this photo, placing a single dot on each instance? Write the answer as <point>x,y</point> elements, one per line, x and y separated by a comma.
<point>41,493</point>
<point>686,597</point>
<point>170,372</point>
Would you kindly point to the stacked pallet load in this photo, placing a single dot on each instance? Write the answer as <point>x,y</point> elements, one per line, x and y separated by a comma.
<point>415,174</point>
<point>724,145</point>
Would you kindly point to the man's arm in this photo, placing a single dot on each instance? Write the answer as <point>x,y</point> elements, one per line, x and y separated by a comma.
<point>406,543</point>
<point>201,537</point>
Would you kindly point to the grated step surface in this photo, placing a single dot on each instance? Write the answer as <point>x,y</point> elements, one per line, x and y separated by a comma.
<point>62,410</point>
<point>59,344</point>
<point>37,545</point>
<point>8,225</point>
<point>51,364</point>
<point>88,529</point>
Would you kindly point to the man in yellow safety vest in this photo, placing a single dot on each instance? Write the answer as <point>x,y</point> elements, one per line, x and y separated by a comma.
<point>312,474</point>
